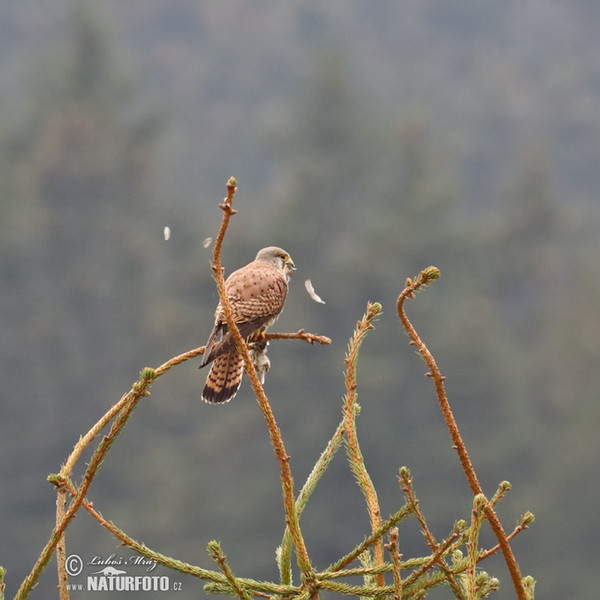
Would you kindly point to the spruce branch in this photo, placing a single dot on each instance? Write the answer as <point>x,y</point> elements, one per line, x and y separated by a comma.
<point>215,552</point>
<point>524,523</point>
<point>446,547</point>
<point>274,432</point>
<point>423,279</point>
<point>405,479</point>
<point>356,590</point>
<point>369,540</point>
<point>392,548</point>
<point>477,516</point>
<point>85,440</point>
<point>387,567</point>
<point>355,457</point>
<point>262,589</point>
<point>284,551</point>
<point>503,489</point>
<point>177,360</point>
<point>61,547</point>
<point>136,546</point>
<point>139,389</point>
<point>310,338</point>
<point>526,519</point>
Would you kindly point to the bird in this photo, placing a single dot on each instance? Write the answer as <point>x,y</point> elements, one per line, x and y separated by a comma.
<point>257,293</point>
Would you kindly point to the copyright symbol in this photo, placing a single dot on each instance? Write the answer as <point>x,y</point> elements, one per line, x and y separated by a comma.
<point>74,565</point>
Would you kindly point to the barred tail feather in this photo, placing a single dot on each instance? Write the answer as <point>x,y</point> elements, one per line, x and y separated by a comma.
<point>224,378</point>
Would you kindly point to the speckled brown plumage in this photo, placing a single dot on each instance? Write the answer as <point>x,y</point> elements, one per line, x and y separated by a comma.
<point>257,293</point>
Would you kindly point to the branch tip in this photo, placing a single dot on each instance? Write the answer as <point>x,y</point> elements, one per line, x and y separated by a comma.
<point>55,479</point>
<point>405,475</point>
<point>148,374</point>
<point>527,519</point>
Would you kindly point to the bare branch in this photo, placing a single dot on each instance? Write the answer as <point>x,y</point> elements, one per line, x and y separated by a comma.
<point>274,432</point>
<point>424,278</point>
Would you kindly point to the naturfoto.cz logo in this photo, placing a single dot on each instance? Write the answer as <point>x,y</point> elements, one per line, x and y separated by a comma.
<point>112,577</point>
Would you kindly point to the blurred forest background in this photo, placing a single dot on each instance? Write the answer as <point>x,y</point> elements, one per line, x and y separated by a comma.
<point>370,140</point>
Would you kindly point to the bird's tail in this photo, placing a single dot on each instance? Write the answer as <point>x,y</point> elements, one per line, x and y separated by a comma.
<point>224,378</point>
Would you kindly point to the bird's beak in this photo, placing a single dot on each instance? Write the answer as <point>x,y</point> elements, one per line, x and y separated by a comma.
<point>290,263</point>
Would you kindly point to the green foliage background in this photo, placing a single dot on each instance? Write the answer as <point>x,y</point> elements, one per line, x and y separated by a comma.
<point>368,140</point>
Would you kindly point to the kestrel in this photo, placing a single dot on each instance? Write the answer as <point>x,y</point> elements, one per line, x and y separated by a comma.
<point>257,294</point>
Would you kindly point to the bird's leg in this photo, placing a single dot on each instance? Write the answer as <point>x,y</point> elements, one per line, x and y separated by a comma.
<point>257,337</point>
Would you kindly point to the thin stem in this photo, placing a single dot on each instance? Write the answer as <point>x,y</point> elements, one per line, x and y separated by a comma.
<point>411,563</point>
<point>139,389</point>
<point>274,432</point>
<point>176,360</point>
<point>85,441</point>
<point>356,590</point>
<point>406,486</point>
<point>285,550</point>
<point>436,557</point>
<point>61,550</point>
<point>355,456</point>
<point>524,524</point>
<point>477,517</point>
<point>215,552</point>
<point>311,338</point>
<point>142,549</point>
<point>390,522</point>
<point>392,548</point>
<point>425,277</point>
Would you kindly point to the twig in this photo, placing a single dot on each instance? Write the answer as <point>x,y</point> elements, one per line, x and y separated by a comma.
<point>502,490</point>
<point>436,557</point>
<point>424,278</point>
<point>257,587</point>
<point>274,432</point>
<point>215,552</point>
<point>390,522</point>
<point>311,338</point>
<point>355,456</point>
<point>140,548</point>
<point>284,552</point>
<point>61,550</point>
<point>176,360</point>
<point>411,563</point>
<point>477,516</point>
<point>405,479</point>
<point>406,486</point>
<point>392,548</point>
<point>356,590</point>
<point>85,441</point>
<point>140,388</point>
<point>524,524</point>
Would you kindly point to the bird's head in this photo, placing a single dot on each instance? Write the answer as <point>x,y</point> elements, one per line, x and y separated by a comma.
<point>277,257</point>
